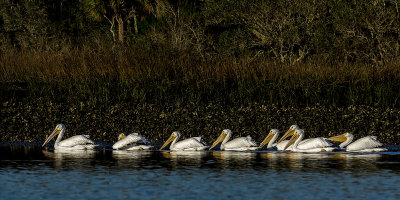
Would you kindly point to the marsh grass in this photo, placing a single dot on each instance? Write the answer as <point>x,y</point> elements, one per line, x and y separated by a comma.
<point>105,74</point>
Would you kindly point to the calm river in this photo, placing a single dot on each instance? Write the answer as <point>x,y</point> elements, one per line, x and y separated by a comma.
<point>30,172</point>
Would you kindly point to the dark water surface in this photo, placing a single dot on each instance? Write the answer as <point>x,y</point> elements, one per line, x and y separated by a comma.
<point>29,172</point>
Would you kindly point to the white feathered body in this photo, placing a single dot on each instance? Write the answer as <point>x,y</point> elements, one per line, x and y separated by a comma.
<point>77,142</point>
<point>306,144</point>
<point>133,141</point>
<point>190,144</point>
<point>240,144</point>
<point>365,144</point>
<point>313,143</point>
<point>314,150</point>
<point>310,145</point>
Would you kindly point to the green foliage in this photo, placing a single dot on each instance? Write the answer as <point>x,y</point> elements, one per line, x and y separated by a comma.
<point>23,25</point>
<point>289,31</point>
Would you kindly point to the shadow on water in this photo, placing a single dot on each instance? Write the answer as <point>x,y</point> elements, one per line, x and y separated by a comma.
<point>317,162</point>
<point>324,161</point>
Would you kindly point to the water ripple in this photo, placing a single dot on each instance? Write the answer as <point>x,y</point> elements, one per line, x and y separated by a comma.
<point>34,173</point>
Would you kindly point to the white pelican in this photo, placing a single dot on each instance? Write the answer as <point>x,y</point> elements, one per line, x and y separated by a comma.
<point>296,139</point>
<point>133,141</point>
<point>365,144</point>
<point>310,143</point>
<point>237,144</point>
<point>190,144</point>
<point>77,142</point>
<point>270,139</point>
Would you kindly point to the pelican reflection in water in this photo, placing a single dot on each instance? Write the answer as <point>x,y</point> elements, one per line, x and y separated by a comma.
<point>130,155</point>
<point>67,158</point>
<point>63,154</point>
<point>195,155</point>
<point>184,158</point>
<point>234,155</point>
<point>279,160</point>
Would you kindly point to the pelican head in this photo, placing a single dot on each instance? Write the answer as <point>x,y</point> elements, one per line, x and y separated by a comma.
<point>344,139</point>
<point>289,132</point>
<point>174,135</point>
<point>60,128</point>
<point>221,137</point>
<point>121,136</point>
<point>297,133</point>
<point>340,138</point>
<point>272,133</point>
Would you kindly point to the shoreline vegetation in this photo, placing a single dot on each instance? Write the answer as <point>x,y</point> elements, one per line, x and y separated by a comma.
<point>335,57</point>
<point>33,121</point>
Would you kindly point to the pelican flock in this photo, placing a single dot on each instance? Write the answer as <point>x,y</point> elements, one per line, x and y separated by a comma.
<point>135,142</point>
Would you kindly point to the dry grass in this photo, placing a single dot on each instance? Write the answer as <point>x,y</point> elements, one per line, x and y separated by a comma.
<point>104,74</point>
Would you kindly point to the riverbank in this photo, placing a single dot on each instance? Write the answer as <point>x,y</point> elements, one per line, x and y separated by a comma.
<point>32,121</point>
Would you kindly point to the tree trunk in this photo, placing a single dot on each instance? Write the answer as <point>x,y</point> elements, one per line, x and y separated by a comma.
<point>112,22</point>
<point>120,29</point>
<point>135,23</point>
